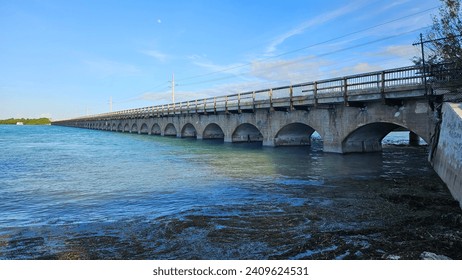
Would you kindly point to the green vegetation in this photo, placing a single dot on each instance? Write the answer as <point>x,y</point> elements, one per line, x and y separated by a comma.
<point>445,36</point>
<point>41,121</point>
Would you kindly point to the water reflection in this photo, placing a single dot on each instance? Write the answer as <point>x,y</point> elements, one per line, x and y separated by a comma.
<point>102,195</point>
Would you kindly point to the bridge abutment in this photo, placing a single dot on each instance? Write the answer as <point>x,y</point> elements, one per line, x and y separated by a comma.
<point>447,157</point>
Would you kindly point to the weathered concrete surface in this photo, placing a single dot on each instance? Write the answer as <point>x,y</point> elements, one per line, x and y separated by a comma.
<point>343,129</point>
<point>447,160</point>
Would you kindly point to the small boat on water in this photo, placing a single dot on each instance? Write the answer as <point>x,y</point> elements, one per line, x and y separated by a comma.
<point>19,123</point>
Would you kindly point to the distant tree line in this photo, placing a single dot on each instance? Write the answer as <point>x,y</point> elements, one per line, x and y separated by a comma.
<point>40,121</point>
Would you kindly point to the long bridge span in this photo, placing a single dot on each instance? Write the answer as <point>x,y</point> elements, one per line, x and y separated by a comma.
<point>351,114</point>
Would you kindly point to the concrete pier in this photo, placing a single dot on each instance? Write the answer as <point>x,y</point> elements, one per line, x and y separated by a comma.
<point>447,158</point>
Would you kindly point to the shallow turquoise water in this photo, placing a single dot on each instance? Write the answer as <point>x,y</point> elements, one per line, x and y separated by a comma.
<point>63,189</point>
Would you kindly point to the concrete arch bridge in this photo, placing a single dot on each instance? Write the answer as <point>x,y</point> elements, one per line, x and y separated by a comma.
<point>351,114</point>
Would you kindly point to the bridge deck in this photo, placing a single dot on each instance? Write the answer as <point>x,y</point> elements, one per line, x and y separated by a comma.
<point>400,83</point>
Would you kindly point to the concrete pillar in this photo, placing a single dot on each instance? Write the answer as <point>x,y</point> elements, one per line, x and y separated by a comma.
<point>268,143</point>
<point>414,139</point>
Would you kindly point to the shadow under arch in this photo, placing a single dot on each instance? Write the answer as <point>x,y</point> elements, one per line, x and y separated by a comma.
<point>170,130</point>
<point>368,138</point>
<point>144,129</point>
<point>156,130</point>
<point>134,128</point>
<point>295,134</point>
<point>213,131</point>
<point>188,131</point>
<point>247,132</point>
<point>126,128</point>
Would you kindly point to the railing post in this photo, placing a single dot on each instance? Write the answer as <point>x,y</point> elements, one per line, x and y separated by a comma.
<point>291,100</point>
<point>315,93</point>
<point>271,99</point>
<point>187,107</point>
<point>205,106</point>
<point>214,105</point>
<point>382,87</point>
<point>196,106</point>
<point>345,91</point>
<point>239,103</point>
<point>253,101</point>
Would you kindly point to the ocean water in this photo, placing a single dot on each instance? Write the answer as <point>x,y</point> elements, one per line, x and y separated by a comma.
<point>87,194</point>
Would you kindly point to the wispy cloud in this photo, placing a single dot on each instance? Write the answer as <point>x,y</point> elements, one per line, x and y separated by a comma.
<point>211,67</point>
<point>290,71</point>
<point>318,20</point>
<point>158,55</point>
<point>106,67</point>
<point>402,51</point>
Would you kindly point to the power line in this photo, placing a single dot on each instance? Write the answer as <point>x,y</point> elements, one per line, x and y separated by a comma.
<point>309,46</point>
<point>294,51</point>
<point>318,56</point>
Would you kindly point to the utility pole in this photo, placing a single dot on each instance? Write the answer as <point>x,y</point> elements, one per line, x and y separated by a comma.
<point>173,88</point>
<point>424,71</point>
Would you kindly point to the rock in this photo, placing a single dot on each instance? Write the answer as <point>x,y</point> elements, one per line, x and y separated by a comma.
<point>393,257</point>
<point>433,256</point>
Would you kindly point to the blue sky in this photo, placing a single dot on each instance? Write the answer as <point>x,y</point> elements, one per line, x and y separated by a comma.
<point>64,59</point>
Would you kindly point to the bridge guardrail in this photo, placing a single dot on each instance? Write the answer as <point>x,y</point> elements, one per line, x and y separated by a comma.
<point>327,91</point>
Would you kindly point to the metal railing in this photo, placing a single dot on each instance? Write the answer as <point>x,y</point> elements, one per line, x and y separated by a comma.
<point>367,86</point>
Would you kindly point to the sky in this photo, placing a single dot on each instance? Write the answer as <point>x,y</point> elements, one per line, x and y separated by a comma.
<point>65,59</point>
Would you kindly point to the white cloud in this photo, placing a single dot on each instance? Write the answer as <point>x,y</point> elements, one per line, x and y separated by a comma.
<point>290,71</point>
<point>358,68</point>
<point>405,51</point>
<point>203,62</point>
<point>160,56</point>
<point>318,20</point>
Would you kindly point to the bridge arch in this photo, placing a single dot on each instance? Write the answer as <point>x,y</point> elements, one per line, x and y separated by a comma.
<point>126,128</point>
<point>368,138</point>
<point>144,129</point>
<point>294,134</point>
<point>134,128</point>
<point>247,132</point>
<point>170,130</point>
<point>120,127</point>
<point>213,131</point>
<point>156,130</point>
<point>189,131</point>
